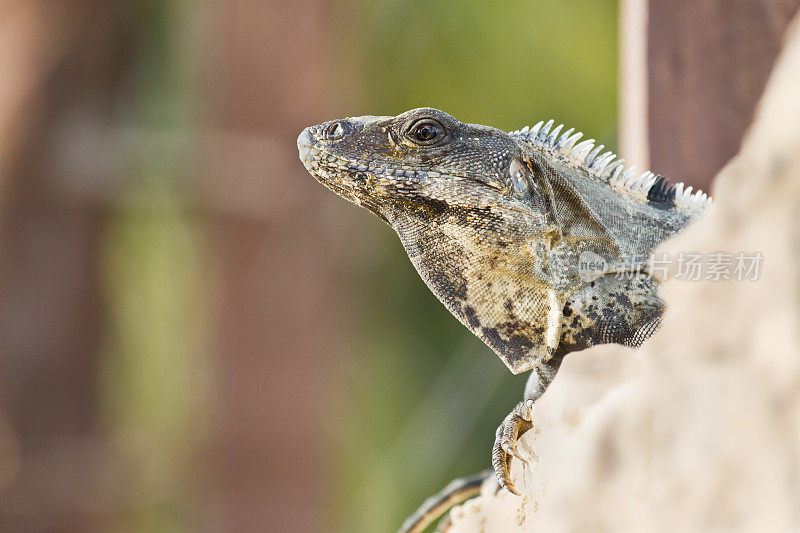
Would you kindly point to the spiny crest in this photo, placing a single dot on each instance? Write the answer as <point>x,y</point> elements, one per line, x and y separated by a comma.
<point>606,167</point>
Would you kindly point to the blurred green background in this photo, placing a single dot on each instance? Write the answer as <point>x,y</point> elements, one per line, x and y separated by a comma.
<point>196,335</point>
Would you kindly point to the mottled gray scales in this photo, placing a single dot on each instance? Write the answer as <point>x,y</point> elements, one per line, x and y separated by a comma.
<point>497,225</point>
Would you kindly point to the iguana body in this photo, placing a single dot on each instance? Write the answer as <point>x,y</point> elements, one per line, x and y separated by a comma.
<point>497,225</point>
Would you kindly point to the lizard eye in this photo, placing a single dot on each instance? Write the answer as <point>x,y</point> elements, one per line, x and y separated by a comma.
<point>426,131</point>
<point>334,130</point>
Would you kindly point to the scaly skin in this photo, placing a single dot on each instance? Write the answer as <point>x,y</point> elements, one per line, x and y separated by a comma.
<point>497,225</point>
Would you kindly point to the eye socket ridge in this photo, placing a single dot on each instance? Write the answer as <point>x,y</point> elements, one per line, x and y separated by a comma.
<point>426,131</point>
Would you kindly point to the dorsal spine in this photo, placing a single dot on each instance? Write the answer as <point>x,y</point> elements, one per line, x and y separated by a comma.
<point>606,167</point>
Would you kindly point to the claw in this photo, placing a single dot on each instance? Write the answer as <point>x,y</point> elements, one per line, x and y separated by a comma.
<point>505,445</point>
<point>510,487</point>
<point>510,449</point>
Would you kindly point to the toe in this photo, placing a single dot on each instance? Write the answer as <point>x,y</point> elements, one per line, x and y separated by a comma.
<point>505,444</point>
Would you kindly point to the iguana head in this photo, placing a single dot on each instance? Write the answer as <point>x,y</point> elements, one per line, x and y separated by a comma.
<point>469,210</point>
<point>423,158</point>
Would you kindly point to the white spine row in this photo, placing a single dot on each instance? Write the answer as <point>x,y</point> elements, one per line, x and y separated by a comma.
<point>605,166</point>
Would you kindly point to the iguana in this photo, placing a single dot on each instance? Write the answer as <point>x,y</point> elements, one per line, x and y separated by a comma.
<point>501,227</point>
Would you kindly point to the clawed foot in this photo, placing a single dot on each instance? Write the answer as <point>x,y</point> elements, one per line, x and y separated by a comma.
<point>518,421</point>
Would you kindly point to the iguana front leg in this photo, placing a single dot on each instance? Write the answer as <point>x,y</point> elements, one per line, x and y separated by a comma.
<point>623,310</point>
<point>520,420</point>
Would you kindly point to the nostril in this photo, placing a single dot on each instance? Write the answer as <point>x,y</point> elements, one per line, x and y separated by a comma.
<point>334,130</point>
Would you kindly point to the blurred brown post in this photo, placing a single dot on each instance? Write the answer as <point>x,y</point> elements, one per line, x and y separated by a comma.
<point>56,57</point>
<point>705,66</point>
<point>276,306</point>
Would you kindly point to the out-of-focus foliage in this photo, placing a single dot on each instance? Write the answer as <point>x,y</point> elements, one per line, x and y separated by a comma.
<point>421,384</point>
<point>154,374</point>
<point>502,64</point>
